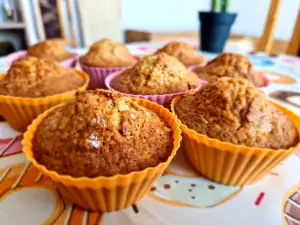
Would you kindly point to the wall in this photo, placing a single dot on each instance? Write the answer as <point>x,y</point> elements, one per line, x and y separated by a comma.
<point>181,15</point>
<point>100,19</point>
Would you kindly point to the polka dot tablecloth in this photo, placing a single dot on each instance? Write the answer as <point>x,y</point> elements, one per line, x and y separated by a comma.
<point>180,196</point>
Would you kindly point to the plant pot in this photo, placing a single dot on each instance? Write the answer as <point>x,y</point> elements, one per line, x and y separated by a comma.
<point>214,29</point>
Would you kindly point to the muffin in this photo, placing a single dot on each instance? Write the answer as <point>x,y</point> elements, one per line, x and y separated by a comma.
<point>33,85</point>
<point>103,58</point>
<point>50,49</point>
<point>33,77</point>
<point>156,75</point>
<point>233,110</point>
<point>230,124</point>
<point>184,52</point>
<point>103,144</point>
<point>107,53</point>
<point>101,134</point>
<point>230,65</point>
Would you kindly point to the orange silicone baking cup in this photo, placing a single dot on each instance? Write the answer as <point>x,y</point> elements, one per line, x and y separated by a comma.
<point>230,164</point>
<point>19,112</point>
<point>107,194</point>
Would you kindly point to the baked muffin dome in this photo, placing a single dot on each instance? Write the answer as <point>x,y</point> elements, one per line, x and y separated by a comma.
<point>230,65</point>
<point>156,74</point>
<point>34,77</point>
<point>233,110</point>
<point>49,49</point>
<point>101,133</point>
<point>107,53</point>
<point>184,52</point>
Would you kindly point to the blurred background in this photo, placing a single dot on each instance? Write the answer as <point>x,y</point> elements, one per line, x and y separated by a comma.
<point>82,22</point>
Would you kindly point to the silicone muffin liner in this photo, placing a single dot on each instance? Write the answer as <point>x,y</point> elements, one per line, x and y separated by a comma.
<point>97,75</point>
<point>230,164</point>
<point>14,56</point>
<point>107,193</point>
<point>267,81</point>
<point>192,68</point>
<point>68,63</point>
<point>19,112</point>
<point>164,99</point>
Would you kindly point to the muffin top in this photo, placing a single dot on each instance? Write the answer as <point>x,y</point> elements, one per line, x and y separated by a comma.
<point>107,53</point>
<point>184,52</point>
<point>49,49</point>
<point>156,74</point>
<point>101,133</point>
<point>35,77</point>
<point>230,65</point>
<point>233,110</point>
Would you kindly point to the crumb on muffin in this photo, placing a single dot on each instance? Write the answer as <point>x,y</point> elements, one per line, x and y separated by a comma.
<point>35,77</point>
<point>184,52</point>
<point>156,74</point>
<point>107,53</point>
<point>50,49</point>
<point>101,133</point>
<point>230,65</point>
<point>233,110</point>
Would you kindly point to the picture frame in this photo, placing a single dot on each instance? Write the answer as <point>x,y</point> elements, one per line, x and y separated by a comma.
<point>52,19</point>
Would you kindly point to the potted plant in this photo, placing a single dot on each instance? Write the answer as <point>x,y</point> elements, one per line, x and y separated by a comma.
<point>215,26</point>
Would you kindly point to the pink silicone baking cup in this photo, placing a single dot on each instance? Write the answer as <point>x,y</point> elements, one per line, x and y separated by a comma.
<point>14,56</point>
<point>68,63</point>
<point>164,99</point>
<point>97,75</point>
<point>267,81</point>
<point>191,68</point>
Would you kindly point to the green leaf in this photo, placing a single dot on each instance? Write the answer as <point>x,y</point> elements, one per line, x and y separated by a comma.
<point>216,6</point>
<point>225,6</point>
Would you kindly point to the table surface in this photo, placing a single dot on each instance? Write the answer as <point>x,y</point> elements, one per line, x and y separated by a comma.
<point>180,196</point>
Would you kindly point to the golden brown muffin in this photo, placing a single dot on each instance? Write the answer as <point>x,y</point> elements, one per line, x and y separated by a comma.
<point>185,53</point>
<point>230,65</point>
<point>49,49</point>
<point>33,77</point>
<point>101,133</point>
<point>107,53</point>
<point>156,74</point>
<point>233,110</point>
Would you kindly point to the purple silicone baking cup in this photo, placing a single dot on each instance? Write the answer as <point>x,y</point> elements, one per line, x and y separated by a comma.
<point>97,75</point>
<point>192,68</point>
<point>68,63</point>
<point>267,81</point>
<point>14,56</point>
<point>164,99</point>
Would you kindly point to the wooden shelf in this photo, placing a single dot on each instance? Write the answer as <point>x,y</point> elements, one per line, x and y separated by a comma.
<point>7,26</point>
